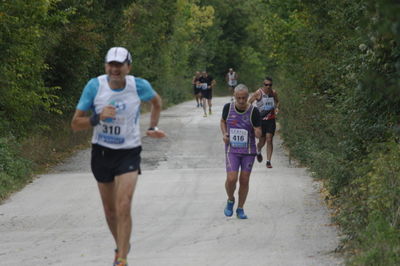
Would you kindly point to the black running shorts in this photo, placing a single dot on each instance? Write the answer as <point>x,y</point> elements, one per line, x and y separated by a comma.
<point>206,94</point>
<point>268,126</point>
<point>107,163</point>
<point>196,90</point>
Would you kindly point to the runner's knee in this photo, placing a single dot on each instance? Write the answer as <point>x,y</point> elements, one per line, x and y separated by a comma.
<point>124,205</point>
<point>244,179</point>
<point>110,212</point>
<point>124,210</point>
<point>244,182</point>
<point>261,141</point>
<point>232,178</point>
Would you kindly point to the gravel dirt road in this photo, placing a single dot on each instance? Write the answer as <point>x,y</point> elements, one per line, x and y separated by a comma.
<point>177,208</point>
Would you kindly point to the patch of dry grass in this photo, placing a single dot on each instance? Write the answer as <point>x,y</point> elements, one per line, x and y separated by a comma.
<point>48,150</point>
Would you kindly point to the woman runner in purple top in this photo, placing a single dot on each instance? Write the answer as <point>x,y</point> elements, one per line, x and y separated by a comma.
<point>240,125</point>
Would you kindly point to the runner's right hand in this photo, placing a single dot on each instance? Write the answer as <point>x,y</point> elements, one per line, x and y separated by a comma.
<point>226,138</point>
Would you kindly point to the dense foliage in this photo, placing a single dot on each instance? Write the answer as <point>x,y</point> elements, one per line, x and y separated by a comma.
<point>338,67</point>
<point>335,64</point>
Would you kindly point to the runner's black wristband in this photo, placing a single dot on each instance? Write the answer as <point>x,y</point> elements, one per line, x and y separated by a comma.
<point>153,128</point>
<point>94,120</point>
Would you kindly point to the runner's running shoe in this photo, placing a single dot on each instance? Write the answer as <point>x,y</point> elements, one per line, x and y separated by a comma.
<point>259,157</point>
<point>209,112</point>
<point>120,262</point>
<point>205,115</point>
<point>229,208</point>
<point>240,213</point>
<point>269,164</point>
<point>116,254</point>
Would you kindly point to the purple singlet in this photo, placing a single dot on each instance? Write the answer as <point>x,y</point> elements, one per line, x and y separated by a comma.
<point>241,150</point>
<point>241,132</point>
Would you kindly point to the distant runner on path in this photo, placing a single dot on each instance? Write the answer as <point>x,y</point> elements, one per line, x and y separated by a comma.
<point>207,83</point>
<point>197,88</point>
<point>114,99</point>
<point>231,79</point>
<point>267,103</point>
<point>240,125</point>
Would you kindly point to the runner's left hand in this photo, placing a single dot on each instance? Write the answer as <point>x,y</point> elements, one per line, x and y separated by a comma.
<point>155,133</point>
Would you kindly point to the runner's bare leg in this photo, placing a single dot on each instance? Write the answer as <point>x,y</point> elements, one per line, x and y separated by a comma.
<point>270,146</point>
<point>230,184</point>
<point>243,188</point>
<point>125,187</point>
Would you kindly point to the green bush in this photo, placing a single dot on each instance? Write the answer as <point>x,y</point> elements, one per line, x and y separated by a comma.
<point>337,64</point>
<point>384,184</point>
<point>174,96</point>
<point>14,170</point>
<point>371,204</point>
<point>378,245</point>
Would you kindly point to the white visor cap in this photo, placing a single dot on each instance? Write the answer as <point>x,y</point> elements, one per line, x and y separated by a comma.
<point>118,54</point>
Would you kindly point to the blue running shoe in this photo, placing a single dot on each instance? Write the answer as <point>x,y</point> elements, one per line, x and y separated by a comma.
<point>240,213</point>
<point>229,208</point>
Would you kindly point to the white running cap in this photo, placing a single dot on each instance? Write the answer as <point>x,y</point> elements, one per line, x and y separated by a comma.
<point>118,54</point>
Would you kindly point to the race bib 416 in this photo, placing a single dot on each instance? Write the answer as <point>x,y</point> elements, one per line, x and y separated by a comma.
<point>238,137</point>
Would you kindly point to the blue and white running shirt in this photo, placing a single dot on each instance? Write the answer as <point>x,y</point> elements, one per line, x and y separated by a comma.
<point>123,131</point>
